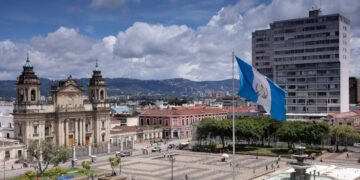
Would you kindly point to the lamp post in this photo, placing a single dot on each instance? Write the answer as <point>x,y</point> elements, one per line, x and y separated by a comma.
<point>120,164</point>
<point>73,155</point>
<point>172,160</point>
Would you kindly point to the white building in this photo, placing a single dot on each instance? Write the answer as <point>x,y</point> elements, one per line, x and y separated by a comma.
<point>308,57</point>
<point>6,120</point>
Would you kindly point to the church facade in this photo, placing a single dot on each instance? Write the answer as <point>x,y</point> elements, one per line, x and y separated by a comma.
<point>68,119</point>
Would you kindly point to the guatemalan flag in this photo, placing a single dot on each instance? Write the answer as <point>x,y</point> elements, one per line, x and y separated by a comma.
<point>259,89</point>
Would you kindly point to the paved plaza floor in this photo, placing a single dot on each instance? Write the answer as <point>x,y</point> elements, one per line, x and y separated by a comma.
<point>196,166</point>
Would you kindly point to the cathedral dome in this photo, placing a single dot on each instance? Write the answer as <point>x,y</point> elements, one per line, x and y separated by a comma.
<point>28,76</point>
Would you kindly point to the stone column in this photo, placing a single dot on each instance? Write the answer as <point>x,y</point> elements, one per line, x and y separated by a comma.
<point>76,131</point>
<point>108,146</point>
<point>66,131</point>
<point>60,132</point>
<point>121,145</point>
<point>89,149</point>
<point>81,137</point>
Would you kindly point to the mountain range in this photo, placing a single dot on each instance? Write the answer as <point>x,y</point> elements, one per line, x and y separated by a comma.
<point>137,88</point>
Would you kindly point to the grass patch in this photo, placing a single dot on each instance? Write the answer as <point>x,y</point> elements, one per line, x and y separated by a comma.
<point>69,172</point>
<point>271,150</point>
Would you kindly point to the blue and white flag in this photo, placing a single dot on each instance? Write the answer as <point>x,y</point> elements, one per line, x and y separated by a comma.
<point>259,89</point>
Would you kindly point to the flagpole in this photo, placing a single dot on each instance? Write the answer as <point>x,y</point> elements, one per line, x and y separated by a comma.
<point>233,115</point>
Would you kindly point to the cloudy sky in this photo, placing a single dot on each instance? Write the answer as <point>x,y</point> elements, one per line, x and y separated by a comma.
<point>157,39</point>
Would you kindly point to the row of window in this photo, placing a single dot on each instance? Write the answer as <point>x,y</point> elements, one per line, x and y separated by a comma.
<point>309,72</point>
<point>311,101</point>
<point>286,80</point>
<point>308,36</point>
<point>313,57</point>
<point>296,51</point>
<point>319,94</point>
<point>262,57</point>
<point>306,21</point>
<point>307,43</point>
<point>308,66</point>
<point>312,109</point>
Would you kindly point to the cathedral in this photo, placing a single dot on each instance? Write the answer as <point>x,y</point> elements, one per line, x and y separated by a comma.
<point>69,118</point>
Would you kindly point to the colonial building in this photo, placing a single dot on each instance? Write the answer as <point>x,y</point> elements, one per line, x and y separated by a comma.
<point>179,122</point>
<point>68,119</point>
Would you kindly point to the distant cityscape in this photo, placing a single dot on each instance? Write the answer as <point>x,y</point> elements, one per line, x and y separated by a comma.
<point>137,129</point>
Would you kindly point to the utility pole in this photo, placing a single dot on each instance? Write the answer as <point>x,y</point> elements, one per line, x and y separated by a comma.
<point>172,160</point>
<point>4,158</point>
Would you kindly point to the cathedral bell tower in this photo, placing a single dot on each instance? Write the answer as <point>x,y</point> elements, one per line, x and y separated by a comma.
<point>27,85</point>
<point>97,86</point>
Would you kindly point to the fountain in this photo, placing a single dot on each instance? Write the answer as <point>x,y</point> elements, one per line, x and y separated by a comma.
<point>299,166</point>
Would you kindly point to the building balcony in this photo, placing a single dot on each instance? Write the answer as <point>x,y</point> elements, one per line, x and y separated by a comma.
<point>36,135</point>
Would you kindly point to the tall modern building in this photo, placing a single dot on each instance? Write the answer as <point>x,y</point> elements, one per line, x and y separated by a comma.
<point>354,88</point>
<point>309,58</point>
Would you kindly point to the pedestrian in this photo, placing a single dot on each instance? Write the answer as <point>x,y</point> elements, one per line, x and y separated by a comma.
<point>278,166</point>
<point>321,160</point>
<point>12,167</point>
<point>279,158</point>
<point>253,171</point>
<point>272,166</point>
<point>186,177</point>
<point>347,155</point>
<point>266,167</point>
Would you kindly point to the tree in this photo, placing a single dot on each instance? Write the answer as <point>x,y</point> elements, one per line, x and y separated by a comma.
<point>342,134</point>
<point>86,168</point>
<point>114,162</point>
<point>223,129</point>
<point>50,153</point>
<point>54,172</point>
<point>30,175</point>
<point>291,132</point>
<point>316,132</point>
<point>248,129</point>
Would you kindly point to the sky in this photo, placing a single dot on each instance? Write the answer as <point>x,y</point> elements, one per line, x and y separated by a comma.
<point>146,39</point>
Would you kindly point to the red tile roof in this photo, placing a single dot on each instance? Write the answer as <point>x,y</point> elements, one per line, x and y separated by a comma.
<point>174,112</point>
<point>244,109</point>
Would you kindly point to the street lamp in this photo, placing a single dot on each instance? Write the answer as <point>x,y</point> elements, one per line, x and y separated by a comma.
<point>120,164</point>
<point>172,160</point>
<point>73,160</point>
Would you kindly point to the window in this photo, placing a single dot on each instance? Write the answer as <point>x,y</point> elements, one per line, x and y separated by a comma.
<point>10,126</point>
<point>7,154</point>
<point>87,127</point>
<point>101,95</point>
<point>33,95</point>
<point>103,124</point>
<point>47,131</point>
<point>103,137</point>
<point>35,129</point>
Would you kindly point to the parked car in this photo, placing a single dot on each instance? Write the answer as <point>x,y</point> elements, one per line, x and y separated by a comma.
<point>356,144</point>
<point>183,145</point>
<point>156,149</point>
<point>123,153</point>
<point>171,146</point>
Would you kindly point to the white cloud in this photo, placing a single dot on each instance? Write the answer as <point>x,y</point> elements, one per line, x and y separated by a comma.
<point>156,51</point>
<point>110,3</point>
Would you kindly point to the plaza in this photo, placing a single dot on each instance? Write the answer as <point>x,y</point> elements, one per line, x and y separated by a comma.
<point>194,165</point>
